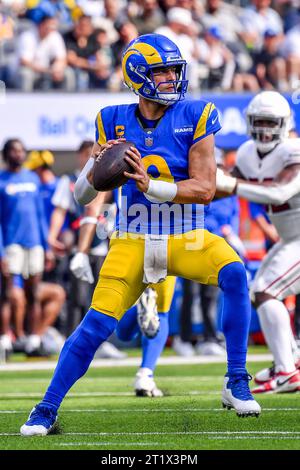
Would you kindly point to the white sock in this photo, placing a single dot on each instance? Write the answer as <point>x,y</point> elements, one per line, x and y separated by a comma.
<point>275,323</point>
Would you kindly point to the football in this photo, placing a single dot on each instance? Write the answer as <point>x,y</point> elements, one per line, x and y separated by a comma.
<point>108,170</point>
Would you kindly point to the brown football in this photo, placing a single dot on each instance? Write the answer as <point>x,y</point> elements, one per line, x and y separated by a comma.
<point>108,170</point>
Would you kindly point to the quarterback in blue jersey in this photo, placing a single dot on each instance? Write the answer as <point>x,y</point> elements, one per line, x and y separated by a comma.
<point>161,224</point>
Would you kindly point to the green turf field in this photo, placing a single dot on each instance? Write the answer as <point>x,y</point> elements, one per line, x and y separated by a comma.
<point>101,412</point>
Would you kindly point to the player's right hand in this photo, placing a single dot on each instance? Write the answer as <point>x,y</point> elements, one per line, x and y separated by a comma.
<point>81,268</point>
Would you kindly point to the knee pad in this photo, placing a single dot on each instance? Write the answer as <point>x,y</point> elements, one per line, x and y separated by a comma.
<point>233,276</point>
<point>108,298</point>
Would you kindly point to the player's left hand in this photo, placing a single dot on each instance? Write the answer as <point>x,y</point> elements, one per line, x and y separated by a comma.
<point>140,175</point>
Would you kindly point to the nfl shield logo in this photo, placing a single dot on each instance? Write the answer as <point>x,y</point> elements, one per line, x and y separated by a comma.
<point>149,140</point>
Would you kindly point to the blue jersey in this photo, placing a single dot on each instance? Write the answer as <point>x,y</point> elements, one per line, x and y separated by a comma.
<point>222,212</point>
<point>164,150</point>
<point>22,218</point>
<point>1,243</point>
<point>47,190</point>
<point>256,210</point>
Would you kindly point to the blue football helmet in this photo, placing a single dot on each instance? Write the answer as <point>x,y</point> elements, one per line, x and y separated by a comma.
<point>147,53</point>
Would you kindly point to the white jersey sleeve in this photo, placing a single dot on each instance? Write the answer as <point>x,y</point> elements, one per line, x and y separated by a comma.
<point>291,152</point>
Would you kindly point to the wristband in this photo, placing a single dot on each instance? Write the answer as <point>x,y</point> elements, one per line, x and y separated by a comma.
<point>161,191</point>
<point>225,182</point>
<point>88,220</point>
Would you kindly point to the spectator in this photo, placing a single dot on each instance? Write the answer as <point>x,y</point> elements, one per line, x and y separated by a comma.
<point>181,30</point>
<point>290,52</point>
<point>42,58</point>
<point>101,77</point>
<point>256,19</point>
<point>218,59</point>
<point>149,18</point>
<point>270,66</point>
<point>83,54</point>
<point>6,40</point>
<point>113,12</point>
<point>166,5</point>
<point>6,27</point>
<point>289,12</point>
<point>24,250</point>
<point>226,17</point>
<point>59,9</point>
<point>51,298</point>
<point>196,7</point>
<point>127,32</point>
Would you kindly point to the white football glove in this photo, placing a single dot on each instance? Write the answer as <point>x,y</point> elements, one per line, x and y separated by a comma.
<point>225,183</point>
<point>81,268</point>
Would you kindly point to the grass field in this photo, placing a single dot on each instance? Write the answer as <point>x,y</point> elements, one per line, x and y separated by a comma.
<point>101,412</point>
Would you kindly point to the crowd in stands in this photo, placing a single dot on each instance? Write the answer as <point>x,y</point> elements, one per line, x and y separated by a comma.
<point>244,45</point>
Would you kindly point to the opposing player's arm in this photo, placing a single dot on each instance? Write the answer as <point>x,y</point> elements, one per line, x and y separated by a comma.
<point>277,192</point>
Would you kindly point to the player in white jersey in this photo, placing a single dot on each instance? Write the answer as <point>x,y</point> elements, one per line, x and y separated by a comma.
<point>270,164</point>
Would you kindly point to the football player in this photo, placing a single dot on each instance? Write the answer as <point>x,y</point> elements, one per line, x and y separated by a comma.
<point>268,172</point>
<point>160,227</point>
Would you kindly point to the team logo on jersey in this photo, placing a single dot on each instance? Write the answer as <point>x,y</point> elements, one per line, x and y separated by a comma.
<point>120,131</point>
<point>184,130</point>
<point>149,140</point>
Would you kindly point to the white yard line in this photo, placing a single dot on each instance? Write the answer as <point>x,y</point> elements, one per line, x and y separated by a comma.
<point>75,444</point>
<point>229,434</point>
<point>256,437</point>
<point>150,410</point>
<point>133,361</point>
<point>93,380</point>
<point>102,394</point>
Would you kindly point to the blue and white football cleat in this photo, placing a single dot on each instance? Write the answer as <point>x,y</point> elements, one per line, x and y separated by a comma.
<point>40,421</point>
<point>236,394</point>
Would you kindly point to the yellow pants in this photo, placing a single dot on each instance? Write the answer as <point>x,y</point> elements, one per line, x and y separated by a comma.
<point>165,292</point>
<point>197,255</point>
